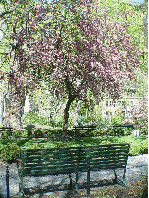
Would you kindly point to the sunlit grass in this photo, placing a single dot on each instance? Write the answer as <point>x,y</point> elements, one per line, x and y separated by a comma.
<point>135,142</point>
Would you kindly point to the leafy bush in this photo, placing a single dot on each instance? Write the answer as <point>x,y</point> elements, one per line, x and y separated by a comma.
<point>134,149</point>
<point>26,133</point>
<point>17,134</point>
<point>117,120</point>
<point>144,130</point>
<point>118,131</point>
<point>36,146</point>
<point>5,134</point>
<point>144,147</point>
<point>34,118</point>
<point>38,133</point>
<point>110,132</point>
<point>95,133</point>
<point>11,152</point>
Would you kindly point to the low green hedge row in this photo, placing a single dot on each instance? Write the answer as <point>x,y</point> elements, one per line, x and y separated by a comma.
<point>38,133</point>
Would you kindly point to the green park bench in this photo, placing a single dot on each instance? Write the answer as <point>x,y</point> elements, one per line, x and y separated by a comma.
<point>83,130</point>
<point>55,161</point>
<point>9,130</point>
<point>124,126</point>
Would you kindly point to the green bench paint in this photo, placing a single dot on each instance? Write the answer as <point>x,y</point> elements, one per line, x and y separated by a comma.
<point>55,161</point>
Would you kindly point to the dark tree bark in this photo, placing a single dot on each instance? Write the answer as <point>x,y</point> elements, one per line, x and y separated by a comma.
<point>71,98</point>
<point>66,114</point>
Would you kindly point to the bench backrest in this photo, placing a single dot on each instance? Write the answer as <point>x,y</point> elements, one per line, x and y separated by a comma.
<point>54,161</point>
<point>108,156</point>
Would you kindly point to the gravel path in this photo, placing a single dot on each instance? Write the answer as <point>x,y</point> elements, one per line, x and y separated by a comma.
<point>57,186</point>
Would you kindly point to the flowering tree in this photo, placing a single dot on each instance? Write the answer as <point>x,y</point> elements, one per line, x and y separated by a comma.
<point>140,113</point>
<point>73,48</point>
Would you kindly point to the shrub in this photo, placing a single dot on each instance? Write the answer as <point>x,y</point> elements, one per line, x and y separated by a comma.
<point>144,147</point>
<point>26,133</point>
<point>134,149</point>
<point>17,134</point>
<point>11,152</point>
<point>127,131</point>
<point>94,133</point>
<point>34,118</point>
<point>110,132</point>
<point>118,131</point>
<point>36,146</point>
<point>144,130</point>
<point>5,134</point>
<point>38,133</point>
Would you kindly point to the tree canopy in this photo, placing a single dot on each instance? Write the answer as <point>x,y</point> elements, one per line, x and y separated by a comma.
<point>73,48</point>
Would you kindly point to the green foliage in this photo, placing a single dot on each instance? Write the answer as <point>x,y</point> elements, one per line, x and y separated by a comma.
<point>17,134</point>
<point>134,149</point>
<point>117,120</point>
<point>38,133</point>
<point>96,133</point>
<point>36,146</point>
<point>59,122</point>
<point>26,133</point>
<point>103,194</point>
<point>34,118</point>
<point>118,131</point>
<point>10,152</point>
<point>5,134</point>
<point>138,145</point>
<point>143,130</point>
<point>144,147</point>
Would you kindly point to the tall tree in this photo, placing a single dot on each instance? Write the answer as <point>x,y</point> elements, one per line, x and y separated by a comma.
<point>11,102</point>
<point>74,48</point>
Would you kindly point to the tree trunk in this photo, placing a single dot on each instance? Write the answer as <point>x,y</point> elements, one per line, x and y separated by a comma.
<point>66,114</point>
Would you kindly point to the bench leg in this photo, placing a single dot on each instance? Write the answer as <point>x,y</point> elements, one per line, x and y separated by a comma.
<point>77,178</point>
<point>124,176</point>
<point>88,180</point>
<point>21,188</point>
<point>115,175</point>
<point>70,181</point>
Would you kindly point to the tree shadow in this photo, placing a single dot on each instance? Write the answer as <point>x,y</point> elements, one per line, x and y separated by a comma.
<point>68,192</point>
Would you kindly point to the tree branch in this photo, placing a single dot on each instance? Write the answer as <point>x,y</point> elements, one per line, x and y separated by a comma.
<point>9,11</point>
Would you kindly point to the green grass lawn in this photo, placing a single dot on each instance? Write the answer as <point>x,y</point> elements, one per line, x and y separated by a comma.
<point>138,145</point>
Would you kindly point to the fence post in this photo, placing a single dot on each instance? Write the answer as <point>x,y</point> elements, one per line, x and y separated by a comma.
<point>7,181</point>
